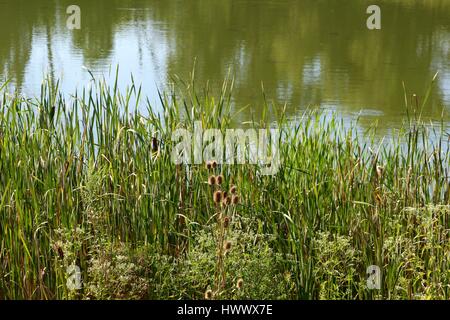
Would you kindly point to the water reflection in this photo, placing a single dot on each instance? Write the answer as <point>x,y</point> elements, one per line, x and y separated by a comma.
<point>309,52</point>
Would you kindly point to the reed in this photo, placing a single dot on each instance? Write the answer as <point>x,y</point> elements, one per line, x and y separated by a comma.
<point>78,172</point>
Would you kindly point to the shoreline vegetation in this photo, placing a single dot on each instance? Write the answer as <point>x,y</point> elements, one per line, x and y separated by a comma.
<point>89,182</point>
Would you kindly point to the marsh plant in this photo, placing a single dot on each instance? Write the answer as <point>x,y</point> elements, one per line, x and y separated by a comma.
<point>89,180</point>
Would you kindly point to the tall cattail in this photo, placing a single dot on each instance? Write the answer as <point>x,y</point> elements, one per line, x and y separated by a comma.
<point>212,180</point>
<point>219,179</point>
<point>233,189</point>
<point>235,199</point>
<point>217,196</point>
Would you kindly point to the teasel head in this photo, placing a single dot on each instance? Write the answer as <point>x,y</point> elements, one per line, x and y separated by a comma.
<point>226,222</point>
<point>227,246</point>
<point>208,165</point>
<point>226,201</point>
<point>219,179</point>
<point>214,164</point>
<point>240,283</point>
<point>212,180</point>
<point>208,294</point>
<point>235,199</point>
<point>217,197</point>
<point>233,189</point>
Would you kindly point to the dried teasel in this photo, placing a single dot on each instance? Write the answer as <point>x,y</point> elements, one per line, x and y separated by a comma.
<point>235,199</point>
<point>212,180</point>
<point>208,165</point>
<point>380,171</point>
<point>226,201</point>
<point>208,294</point>
<point>240,283</point>
<point>227,246</point>
<point>214,164</point>
<point>233,189</point>
<point>219,179</point>
<point>217,197</point>
<point>226,222</point>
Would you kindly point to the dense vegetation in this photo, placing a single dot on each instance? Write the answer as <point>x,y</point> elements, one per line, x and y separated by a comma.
<point>89,181</point>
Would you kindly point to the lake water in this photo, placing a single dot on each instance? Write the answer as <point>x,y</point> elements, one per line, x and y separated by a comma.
<point>304,52</point>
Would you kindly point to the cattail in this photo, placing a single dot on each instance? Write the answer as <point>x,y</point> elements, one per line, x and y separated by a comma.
<point>217,196</point>
<point>214,164</point>
<point>225,194</point>
<point>226,201</point>
<point>212,180</point>
<point>219,179</point>
<point>240,283</point>
<point>208,165</point>
<point>154,144</point>
<point>233,189</point>
<point>227,246</point>
<point>226,222</point>
<point>208,294</point>
<point>235,199</point>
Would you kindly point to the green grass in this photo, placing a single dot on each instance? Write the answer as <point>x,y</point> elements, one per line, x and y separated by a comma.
<point>81,182</point>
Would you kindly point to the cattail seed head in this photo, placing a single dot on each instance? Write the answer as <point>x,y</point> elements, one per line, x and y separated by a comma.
<point>219,179</point>
<point>208,165</point>
<point>214,164</point>
<point>235,199</point>
<point>217,196</point>
<point>233,189</point>
<point>212,180</point>
<point>240,283</point>
<point>225,194</point>
<point>208,294</point>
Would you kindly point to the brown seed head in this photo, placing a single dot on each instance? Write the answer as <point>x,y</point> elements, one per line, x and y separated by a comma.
<point>219,179</point>
<point>226,201</point>
<point>227,245</point>
<point>233,189</point>
<point>208,294</point>
<point>214,164</point>
<point>208,165</point>
<point>217,196</point>
<point>212,180</point>
<point>235,199</point>
<point>226,222</point>
<point>240,283</point>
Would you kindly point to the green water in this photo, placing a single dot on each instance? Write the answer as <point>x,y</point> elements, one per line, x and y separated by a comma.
<point>304,52</point>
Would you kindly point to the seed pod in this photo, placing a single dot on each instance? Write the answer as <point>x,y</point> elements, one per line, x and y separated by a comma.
<point>233,189</point>
<point>212,180</point>
<point>208,294</point>
<point>240,283</point>
<point>219,179</point>
<point>217,196</point>
<point>214,164</point>
<point>235,199</point>
<point>226,222</point>
<point>208,165</point>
